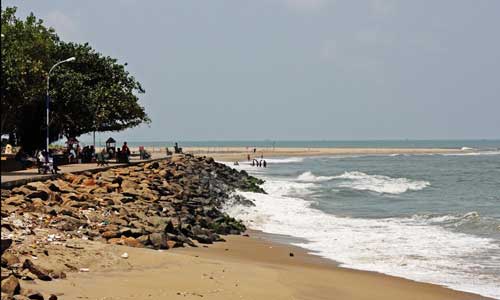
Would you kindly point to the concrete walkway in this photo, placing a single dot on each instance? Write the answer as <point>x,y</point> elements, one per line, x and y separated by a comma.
<point>10,179</point>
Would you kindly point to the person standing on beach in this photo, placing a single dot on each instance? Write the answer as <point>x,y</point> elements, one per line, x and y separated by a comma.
<point>248,157</point>
<point>125,151</point>
<point>264,163</point>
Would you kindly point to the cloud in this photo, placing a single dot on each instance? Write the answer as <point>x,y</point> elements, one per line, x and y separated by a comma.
<point>359,54</point>
<point>329,51</point>
<point>306,5</point>
<point>65,27</point>
<point>383,7</point>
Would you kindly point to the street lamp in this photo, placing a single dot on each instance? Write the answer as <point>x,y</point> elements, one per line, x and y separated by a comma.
<point>48,97</point>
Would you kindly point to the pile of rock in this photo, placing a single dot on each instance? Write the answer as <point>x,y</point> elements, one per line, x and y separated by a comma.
<point>160,205</point>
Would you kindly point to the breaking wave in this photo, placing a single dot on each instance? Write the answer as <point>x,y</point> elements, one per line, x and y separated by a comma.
<point>380,183</point>
<point>310,177</point>
<point>413,247</point>
<point>489,152</point>
<point>287,160</point>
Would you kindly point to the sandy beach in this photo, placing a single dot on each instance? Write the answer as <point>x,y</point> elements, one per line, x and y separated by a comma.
<point>241,268</point>
<point>250,150</point>
<point>240,153</point>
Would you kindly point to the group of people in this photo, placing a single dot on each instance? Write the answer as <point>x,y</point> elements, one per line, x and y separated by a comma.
<point>121,154</point>
<point>77,154</point>
<point>258,163</point>
<point>74,153</point>
<point>88,154</point>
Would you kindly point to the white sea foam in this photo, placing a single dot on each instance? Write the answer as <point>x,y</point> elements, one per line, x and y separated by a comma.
<point>491,152</point>
<point>403,247</point>
<point>274,160</point>
<point>310,177</point>
<point>288,188</point>
<point>473,215</point>
<point>247,165</point>
<point>380,183</point>
<point>287,160</point>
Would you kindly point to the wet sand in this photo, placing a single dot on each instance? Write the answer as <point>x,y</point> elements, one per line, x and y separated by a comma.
<point>241,268</point>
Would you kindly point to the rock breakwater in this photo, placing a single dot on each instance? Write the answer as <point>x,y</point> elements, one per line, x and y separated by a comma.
<point>160,205</point>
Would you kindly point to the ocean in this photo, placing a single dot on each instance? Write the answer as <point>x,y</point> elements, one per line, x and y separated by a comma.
<point>430,218</point>
<point>447,144</point>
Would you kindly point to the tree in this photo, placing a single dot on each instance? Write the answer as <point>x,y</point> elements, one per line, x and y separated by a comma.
<point>27,48</point>
<point>93,93</point>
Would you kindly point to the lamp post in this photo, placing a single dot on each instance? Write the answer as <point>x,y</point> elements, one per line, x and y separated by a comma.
<point>48,97</point>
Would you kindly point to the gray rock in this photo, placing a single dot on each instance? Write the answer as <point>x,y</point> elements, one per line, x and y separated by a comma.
<point>158,240</point>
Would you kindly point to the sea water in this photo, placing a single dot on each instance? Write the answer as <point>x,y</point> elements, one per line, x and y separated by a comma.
<point>430,218</point>
<point>447,144</point>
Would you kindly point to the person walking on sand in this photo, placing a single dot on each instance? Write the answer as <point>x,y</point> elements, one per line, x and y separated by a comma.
<point>248,157</point>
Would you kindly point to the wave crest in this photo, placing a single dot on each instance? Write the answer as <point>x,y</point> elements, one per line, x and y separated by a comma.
<point>381,245</point>
<point>310,177</point>
<point>380,183</point>
<point>287,160</point>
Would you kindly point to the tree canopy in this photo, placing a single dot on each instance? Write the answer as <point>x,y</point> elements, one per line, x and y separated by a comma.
<point>92,93</point>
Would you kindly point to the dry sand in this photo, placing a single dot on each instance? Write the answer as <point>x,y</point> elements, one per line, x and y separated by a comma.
<point>240,153</point>
<point>242,268</point>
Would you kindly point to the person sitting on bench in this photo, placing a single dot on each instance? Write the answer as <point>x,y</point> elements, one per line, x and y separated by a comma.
<point>101,158</point>
<point>168,151</point>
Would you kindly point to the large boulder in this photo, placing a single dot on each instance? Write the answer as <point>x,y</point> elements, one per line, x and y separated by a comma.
<point>6,243</point>
<point>158,240</point>
<point>11,286</point>
<point>38,271</point>
<point>9,259</point>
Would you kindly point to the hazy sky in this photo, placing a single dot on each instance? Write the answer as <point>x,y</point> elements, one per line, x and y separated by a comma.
<point>299,69</point>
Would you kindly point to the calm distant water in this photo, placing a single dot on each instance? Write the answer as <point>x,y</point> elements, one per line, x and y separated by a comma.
<point>431,218</point>
<point>451,144</point>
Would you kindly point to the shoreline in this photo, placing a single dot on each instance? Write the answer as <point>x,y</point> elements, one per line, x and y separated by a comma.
<point>236,269</point>
<point>312,256</point>
<point>240,268</point>
<point>290,240</point>
<point>241,153</point>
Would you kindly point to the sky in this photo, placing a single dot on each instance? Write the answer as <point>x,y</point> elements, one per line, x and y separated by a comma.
<point>298,69</point>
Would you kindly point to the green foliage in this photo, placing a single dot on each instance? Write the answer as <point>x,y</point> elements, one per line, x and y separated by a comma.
<point>27,48</point>
<point>93,93</point>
